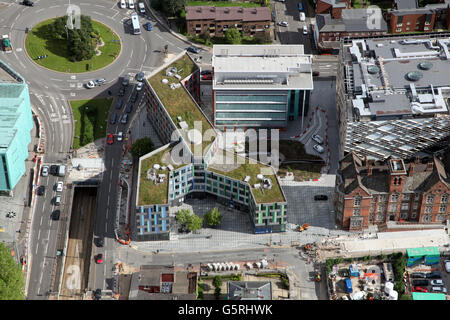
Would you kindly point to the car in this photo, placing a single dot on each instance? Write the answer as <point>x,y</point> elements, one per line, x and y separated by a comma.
<point>121,92</point>
<point>129,107</point>
<point>207,76</point>
<point>57,200</point>
<point>100,81</point>
<point>318,148</point>
<point>419,289</point>
<point>206,72</point>
<point>416,275</point>
<point>134,96</point>
<point>305,30</point>
<point>113,118</point>
<point>56,214</point>
<point>120,136</point>
<point>320,197</point>
<point>90,84</point>
<point>28,3</point>
<point>447,265</point>
<point>98,294</point>
<point>124,119</point>
<point>99,258</point>
<point>141,7</point>
<point>126,80</point>
<point>44,171</point>
<point>317,138</point>
<point>283,23</point>
<point>100,242</point>
<point>302,16</point>
<point>193,49</point>
<point>139,86</point>
<point>59,186</point>
<point>131,4</point>
<point>433,275</point>
<point>148,26</point>
<point>422,283</point>
<point>316,73</point>
<point>140,76</point>
<point>123,4</point>
<point>437,282</point>
<point>54,170</point>
<point>40,191</point>
<point>119,103</point>
<point>439,289</point>
<point>110,139</point>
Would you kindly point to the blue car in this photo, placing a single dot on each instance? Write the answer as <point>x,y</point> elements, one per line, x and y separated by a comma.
<point>148,26</point>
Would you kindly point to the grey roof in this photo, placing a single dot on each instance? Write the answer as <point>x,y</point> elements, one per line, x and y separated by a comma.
<point>353,20</point>
<point>326,24</point>
<point>227,13</point>
<point>406,4</point>
<point>405,12</point>
<point>388,105</point>
<point>336,3</point>
<point>249,290</point>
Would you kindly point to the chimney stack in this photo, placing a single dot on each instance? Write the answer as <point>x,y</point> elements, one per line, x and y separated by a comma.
<point>411,169</point>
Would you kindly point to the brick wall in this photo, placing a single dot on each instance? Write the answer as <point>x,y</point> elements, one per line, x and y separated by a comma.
<point>411,22</point>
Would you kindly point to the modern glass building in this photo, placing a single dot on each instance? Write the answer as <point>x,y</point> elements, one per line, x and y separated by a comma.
<point>16,122</point>
<point>260,86</point>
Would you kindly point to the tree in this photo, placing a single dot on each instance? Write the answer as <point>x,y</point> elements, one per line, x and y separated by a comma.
<point>141,147</point>
<point>173,7</point>
<point>183,216</point>
<point>233,36</point>
<point>213,217</point>
<point>195,222</point>
<point>217,281</point>
<point>11,278</point>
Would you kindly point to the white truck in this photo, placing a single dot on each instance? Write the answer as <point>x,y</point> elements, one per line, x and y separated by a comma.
<point>141,7</point>
<point>6,43</point>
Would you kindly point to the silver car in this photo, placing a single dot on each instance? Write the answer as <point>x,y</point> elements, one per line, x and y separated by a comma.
<point>318,148</point>
<point>317,139</point>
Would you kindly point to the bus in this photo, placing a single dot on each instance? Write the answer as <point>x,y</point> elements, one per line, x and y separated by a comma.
<point>135,23</point>
<point>300,6</point>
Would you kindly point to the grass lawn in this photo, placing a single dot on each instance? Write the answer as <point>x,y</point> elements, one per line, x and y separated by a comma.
<point>39,42</point>
<point>223,4</point>
<point>90,120</point>
<point>302,171</point>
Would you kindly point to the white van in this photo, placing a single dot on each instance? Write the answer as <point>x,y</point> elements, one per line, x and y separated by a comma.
<point>61,171</point>
<point>302,16</point>
<point>131,4</point>
<point>141,7</point>
<point>123,4</point>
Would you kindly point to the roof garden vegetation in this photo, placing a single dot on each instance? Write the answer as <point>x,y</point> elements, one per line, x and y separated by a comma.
<point>178,102</point>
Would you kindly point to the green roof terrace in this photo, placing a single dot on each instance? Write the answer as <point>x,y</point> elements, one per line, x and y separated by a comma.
<point>178,102</point>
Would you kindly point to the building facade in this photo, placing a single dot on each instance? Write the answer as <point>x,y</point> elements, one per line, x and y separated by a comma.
<point>369,193</point>
<point>215,21</point>
<point>332,7</point>
<point>16,123</point>
<point>260,86</point>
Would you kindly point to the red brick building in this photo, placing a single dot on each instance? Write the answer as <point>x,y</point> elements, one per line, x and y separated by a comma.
<point>333,7</point>
<point>368,194</point>
<point>407,16</point>
<point>216,20</point>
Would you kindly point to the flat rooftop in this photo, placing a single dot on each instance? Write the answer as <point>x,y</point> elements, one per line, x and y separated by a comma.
<point>7,75</point>
<point>279,67</point>
<point>177,101</point>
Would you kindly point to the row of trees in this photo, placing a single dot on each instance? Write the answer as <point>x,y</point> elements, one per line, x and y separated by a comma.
<point>80,42</point>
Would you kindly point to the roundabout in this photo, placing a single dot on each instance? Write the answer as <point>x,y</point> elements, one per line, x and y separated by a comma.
<point>40,42</point>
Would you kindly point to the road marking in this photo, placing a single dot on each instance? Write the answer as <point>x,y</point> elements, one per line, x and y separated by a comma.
<point>55,79</point>
<point>39,234</point>
<point>63,109</point>
<point>72,94</point>
<point>37,245</point>
<point>19,49</point>
<point>37,11</point>
<point>73,77</point>
<point>100,14</point>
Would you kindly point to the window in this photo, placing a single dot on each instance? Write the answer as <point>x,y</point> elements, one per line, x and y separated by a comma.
<point>392,208</point>
<point>430,198</point>
<point>198,25</point>
<point>357,201</point>
<point>356,212</point>
<point>405,206</point>
<point>406,197</point>
<point>394,197</point>
<point>382,208</point>
<point>416,205</point>
<point>408,23</point>
<point>356,223</point>
<point>443,208</point>
<point>426,28</point>
<point>382,198</point>
<point>428,209</point>
<point>427,218</point>
<point>403,215</point>
<point>380,217</point>
<point>337,38</point>
<point>441,217</point>
<point>444,198</point>
<point>413,215</point>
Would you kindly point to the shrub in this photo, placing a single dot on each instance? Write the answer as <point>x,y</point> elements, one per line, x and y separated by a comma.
<point>217,281</point>
<point>285,282</point>
<point>217,292</point>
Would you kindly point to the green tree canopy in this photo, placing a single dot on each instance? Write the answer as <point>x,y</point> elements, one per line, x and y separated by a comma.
<point>11,278</point>
<point>173,7</point>
<point>141,147</point>
<point>233,36</point>
<point>213,218</point>
<point>217,281</point>
<point>190,220</point>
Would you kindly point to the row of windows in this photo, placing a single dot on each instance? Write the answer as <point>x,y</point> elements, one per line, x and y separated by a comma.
<point>252,97</point>
<point>405,197</point>
<point>246,115</point>
<point>250,106</point>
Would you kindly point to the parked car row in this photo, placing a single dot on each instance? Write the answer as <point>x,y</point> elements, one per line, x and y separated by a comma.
<point>428,282</point>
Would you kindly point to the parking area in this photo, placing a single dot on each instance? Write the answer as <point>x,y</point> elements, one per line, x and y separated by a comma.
<point>429,278</point>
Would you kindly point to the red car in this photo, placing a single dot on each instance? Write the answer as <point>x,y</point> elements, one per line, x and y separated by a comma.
<point>207,76</point>
<point>110,139</point>
<point>99,258</point>
<point>419,289</point>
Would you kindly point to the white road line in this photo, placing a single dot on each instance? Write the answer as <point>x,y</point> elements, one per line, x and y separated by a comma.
<point>41,220</point>
<point>97,5</point>
<point>100,14</point>
<point>56,79</point>
<point>53,7</point>
<point>37,245</point>
<point>39,234</point>
<point>37,11</point>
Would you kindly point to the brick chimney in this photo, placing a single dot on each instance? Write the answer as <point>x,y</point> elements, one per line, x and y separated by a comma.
<point>430,165</point>
<point>411,169</point>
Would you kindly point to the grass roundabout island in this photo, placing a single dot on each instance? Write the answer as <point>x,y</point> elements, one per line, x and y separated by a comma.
<point>48,39</point>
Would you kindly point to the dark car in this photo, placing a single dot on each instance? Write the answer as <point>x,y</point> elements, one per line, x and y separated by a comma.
<point>100,242</point>
<point>56,214</point>
<point>206,72</point>
<point>433,275</point>
<point>113,118</point>
<point>99,258</point>
<point>134,96</point>
<point>320,197</point>
<point>98,294</point>
<point>122,91</point>
<point>418,275</point>
<point>140,76</point>
<point>119,103</point>
<point>193,49</point>
<point>126,80</point>
<point>124,119</point>
<point>40,191</point>
<point>129,107</point>
<point>54,169</point>
<point>316,73</point>
<point>420,283</point>
<point>28,3</point>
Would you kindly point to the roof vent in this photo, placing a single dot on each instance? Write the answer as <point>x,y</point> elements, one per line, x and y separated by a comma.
<point>426,65</point>
<point>227,10</point>
<point>199,9</point>
<point>414,76</point>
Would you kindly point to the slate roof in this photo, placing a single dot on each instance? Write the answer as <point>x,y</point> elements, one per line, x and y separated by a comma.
<point>228,13</point>
<point>249,290</point>
<point>406,4</point>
